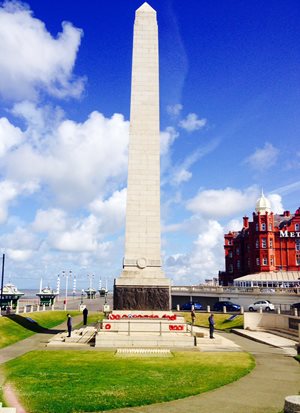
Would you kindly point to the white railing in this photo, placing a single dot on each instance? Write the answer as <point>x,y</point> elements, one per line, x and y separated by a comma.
<point>237,290</point>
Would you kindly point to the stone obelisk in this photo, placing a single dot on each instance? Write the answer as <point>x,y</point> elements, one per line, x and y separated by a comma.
<point>142,284</point>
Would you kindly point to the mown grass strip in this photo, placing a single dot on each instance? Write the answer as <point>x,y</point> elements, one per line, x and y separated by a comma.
<point>17,327</point>
<point>68,382</point>
<point>221,320</point>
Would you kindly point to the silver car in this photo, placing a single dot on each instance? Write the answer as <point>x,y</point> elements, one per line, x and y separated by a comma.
<point>266,305</point>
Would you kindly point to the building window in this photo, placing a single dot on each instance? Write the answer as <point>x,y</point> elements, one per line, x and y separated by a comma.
<point>298,259</point>
<point>229,242</point>
<point>257,261</point>
<point>257,244</point>
<point>256,227</point>
<point>297,227</point>
<point>230,268</point>
<point>238,264</point>
<point>272,261</point>
<point>271,243</point>
<point>248,263</point>
<point>263,226</point>
<point>270,227</point>
<point>237,251</point>
<point>230,254</point>
<point>248,247</point>
<point>297,244</point>
<point>264,243</point>
<point>265,261</point>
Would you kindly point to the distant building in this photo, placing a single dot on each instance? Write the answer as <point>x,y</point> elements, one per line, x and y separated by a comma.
<point>268,243</point>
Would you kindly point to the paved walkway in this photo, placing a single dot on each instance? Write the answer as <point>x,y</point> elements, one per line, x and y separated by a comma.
<point>275,376</point>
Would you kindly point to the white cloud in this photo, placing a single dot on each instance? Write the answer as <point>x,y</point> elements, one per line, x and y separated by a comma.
<point>34,60</point>
<point>276,203</point>
<point>234,224</point>
<point>9,191</point>
<point>223,202</point>
<point>192,122</point>
<point>181,175</point>
<point>205,259</point>
<point>40,121</point>
<point>167,137</point>
<point>76,161</point>
<point>10,136</point>
<point>174,110</point>
<point>20,244</point>
<point>81,237</point>
<point>181,172</point>
<point>263,158</point>
<point>49,220</point>
<point>19,255</point>
<point>112,211</point>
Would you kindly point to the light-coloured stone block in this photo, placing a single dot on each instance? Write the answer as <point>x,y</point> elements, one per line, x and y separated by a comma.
<point>142,235</point>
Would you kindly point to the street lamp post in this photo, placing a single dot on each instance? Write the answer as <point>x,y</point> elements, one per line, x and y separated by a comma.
<point>74,287</point>
<point>2,282</point>
<point>82,295</point>
<point>67,275</point>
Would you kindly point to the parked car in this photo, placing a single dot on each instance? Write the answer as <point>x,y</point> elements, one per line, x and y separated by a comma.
<point>188,306</point>
<point>227,304</point>
<point>296,305</point>
<point>266,305</point>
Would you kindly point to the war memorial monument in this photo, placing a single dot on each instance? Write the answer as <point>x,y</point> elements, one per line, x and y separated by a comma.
<point>142,284</point>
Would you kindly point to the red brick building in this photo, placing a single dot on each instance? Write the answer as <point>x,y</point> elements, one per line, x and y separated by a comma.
<point>269,242</point>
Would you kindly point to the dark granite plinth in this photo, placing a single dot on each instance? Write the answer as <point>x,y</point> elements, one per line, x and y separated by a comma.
<point>141,298</point>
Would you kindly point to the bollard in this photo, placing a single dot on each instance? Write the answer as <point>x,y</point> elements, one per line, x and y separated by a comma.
<point>224,309</point>
<point>260,309</point>
<point>52,307</point>
<point>31,308</point>
<point>292,404</point>
<point>44,307</point>
<point>37,307</point>
<point>178,307</point>
<point>17,309</point>
<point>242,310</point>
<point>278,310</point>
<point>25,309</point>
<point>208,308</point>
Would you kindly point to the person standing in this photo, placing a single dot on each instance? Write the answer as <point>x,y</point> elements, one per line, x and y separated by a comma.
<point>211,322</point>
<point>69,324</point>
<point>85,315</point>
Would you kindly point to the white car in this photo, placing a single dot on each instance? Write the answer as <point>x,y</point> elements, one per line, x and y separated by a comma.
<point>266,305</point>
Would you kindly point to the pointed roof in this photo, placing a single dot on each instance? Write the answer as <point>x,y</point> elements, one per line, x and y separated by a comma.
<point>145,8</point>
<point>263,205</point>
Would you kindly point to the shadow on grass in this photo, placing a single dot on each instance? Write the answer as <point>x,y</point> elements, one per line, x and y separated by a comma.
<point>32,325</point>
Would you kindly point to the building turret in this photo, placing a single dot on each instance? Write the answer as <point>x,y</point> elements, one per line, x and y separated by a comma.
<point>263,205</point>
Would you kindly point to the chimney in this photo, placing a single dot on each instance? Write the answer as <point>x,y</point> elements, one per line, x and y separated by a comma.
<point>245,222</point>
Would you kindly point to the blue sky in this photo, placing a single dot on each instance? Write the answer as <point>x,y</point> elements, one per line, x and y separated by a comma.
<point>229,94</point>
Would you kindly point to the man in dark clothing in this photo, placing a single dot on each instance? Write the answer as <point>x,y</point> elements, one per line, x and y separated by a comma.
<point>211,325</point>
<point>69,324</point>
<point>85,314</point>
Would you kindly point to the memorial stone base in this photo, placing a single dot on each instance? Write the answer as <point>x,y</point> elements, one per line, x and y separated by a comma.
<point>141,298</point>
<point>145,329</point>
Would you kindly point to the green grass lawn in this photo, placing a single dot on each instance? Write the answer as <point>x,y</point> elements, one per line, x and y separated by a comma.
<point>69,382</point>
<point>93,318</point>
<point>220,320</point>
<point>17,327</point>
